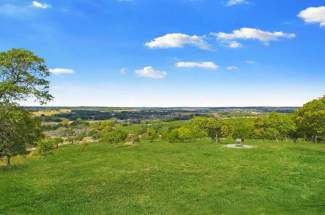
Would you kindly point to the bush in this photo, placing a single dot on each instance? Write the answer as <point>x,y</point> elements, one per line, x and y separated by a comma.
<point>115,136</point>
<point>172,136</point>
<point>132,138</point>
<point>46,146</point>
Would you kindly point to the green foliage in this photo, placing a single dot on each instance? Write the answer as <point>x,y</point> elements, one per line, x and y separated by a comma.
<point>23,75</point>
<point>114,136</point>
<point>275,126</point>
<point>310,119</point>
<point>18,129</point>
<point>172,136</point>
<point>151,134</point>
<point>211,126</point>
<point>45,146</point>
<point>185,133</point>
<point>242,129</point>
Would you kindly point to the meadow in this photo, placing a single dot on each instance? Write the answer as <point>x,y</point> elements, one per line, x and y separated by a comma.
<point>198,177</point>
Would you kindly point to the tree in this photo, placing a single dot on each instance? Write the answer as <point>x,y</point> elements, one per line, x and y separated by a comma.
<point>18,129</point>
<point>242,129</point>
<point>115,136</point>
<point>275,126</point>
<point>45,146</point>
<point>310,119</point>
<point>23,75</point>
<point>210,126</point>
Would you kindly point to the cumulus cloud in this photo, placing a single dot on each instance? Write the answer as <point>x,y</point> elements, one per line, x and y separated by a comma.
<point>61,71</point>
<point>235,2</point>
<point>202,65</point>
<point>234,45</point>
<point>40,5</point>
<point>150,72</point>
<point>253,34</point>
<point>178,40</point>
<point>313,15</point>
<point>232,68</point>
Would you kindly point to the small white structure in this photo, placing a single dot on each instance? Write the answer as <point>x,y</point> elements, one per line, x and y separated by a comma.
<point>239,145</point>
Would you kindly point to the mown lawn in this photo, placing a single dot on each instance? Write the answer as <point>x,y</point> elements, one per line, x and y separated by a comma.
<point>164,178</point>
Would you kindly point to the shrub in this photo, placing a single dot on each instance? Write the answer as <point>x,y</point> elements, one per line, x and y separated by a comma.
<point>45,146</point>
<point>115,136</point>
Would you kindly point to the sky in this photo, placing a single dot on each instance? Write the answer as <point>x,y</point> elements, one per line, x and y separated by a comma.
<point>172,53</point>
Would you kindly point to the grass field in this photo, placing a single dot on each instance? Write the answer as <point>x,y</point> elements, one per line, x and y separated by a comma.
<point>164,178</point>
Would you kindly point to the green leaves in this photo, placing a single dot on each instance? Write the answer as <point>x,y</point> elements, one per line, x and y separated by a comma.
<point>18,129</point>
<point>310,119</point>
<point>23,75</point>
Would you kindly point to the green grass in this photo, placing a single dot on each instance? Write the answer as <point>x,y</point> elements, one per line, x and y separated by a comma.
<point>164,178</point>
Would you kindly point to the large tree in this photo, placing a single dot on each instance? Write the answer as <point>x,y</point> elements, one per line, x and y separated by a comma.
<point>23,75</point>
<point>311,119</point>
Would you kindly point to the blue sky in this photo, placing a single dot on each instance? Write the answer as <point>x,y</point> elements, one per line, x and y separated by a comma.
<point>173,52</point>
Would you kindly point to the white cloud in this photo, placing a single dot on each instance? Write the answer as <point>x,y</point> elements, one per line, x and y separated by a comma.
<point>254,34</point>
<point>234,45</point>
<point>232,68</point>
<point>61,71</point>
<point>201,65</point>
<point>236,2</point>
<point>177,40</point>
<point>40,5</point>
<point>150,72</point>
<point>313,15</point>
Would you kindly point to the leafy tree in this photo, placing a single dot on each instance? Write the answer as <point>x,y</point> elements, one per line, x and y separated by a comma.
<point>310,119</point>
<point>172,135</point>
<point>275,126</point>
<point>18,129</point>
<point>115,136</point>
<point>45,146</point>
<point>242,129</point>
<point>23,75</point>
<point>211,127</point>
<point>185,133</point>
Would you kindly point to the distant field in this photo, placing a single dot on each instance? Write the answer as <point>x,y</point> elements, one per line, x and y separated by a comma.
<point>50,112</point>
<point>164,178</point>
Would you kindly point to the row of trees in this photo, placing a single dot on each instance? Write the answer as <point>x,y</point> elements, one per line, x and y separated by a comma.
<point>307,122</point>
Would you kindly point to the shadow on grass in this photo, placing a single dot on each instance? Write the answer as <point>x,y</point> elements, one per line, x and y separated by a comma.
<point>12,168</point>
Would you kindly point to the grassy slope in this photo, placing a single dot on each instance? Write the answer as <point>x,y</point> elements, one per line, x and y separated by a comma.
<point>163,178</point>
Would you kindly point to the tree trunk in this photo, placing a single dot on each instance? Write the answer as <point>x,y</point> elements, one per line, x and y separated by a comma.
<point>8,160</point>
